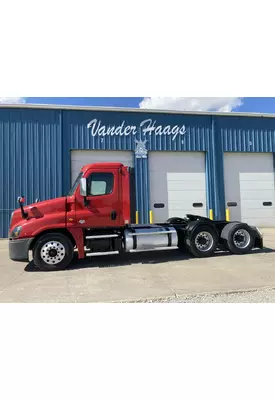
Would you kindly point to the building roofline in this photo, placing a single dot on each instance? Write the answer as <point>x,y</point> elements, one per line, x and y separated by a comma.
<point>132,110</point>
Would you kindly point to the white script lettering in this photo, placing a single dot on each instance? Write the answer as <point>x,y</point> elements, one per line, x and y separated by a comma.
<point>147,127</point>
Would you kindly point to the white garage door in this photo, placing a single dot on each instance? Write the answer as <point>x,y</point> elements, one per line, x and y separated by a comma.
<point>177,184</point>
<point>82,157</point>
<point>249,186</point>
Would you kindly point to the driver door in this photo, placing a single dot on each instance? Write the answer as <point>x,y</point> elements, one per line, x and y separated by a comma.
<point>103,207</point>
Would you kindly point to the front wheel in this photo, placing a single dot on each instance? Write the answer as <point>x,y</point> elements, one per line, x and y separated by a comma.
<point>52,252</point>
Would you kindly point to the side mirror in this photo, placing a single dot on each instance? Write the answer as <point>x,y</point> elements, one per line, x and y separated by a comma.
<point>20,200</point>
<point>83,187</point>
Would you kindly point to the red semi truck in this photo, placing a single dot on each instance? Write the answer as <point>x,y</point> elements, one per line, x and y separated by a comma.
<point>96,218</point>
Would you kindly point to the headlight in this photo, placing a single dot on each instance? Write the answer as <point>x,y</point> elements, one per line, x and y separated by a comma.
<point>16,232</point>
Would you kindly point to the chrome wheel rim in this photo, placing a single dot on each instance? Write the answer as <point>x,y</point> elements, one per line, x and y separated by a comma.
<point>204,241</point>
<point>52,252</point>
<point>241,239</point>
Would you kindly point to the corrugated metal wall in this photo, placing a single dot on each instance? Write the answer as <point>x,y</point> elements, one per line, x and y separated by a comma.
<point>35,148</point>
<point>214,173</point>
<point>142,189</point>
<point>253,134</point>
<point>30,158</point>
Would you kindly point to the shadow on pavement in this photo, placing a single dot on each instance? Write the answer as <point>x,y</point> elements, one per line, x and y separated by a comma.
<point>137,258</point>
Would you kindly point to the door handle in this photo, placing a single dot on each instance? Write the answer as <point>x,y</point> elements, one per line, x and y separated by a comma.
<point>113,215</point>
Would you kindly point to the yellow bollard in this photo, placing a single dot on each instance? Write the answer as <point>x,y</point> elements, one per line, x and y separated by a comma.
<point>151,216</point>
<point>227,214</point>
<point>136,217</point>
<point>211,214</point>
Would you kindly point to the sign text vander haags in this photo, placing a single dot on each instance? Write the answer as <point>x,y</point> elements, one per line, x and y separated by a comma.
<point>146,127</point>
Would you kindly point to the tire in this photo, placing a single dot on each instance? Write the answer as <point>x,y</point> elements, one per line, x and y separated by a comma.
<point>62,252</point>
<point>238,238</point>
<point>203,241</point>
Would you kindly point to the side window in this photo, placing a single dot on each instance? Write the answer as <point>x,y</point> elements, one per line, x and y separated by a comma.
<point>100,183</point>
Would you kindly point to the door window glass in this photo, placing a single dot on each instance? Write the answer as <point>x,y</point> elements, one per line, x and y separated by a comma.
<point>100,183</point>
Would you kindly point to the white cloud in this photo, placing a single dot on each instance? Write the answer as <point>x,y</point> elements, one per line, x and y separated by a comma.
<point>12,100</point>
<point>222,104</point>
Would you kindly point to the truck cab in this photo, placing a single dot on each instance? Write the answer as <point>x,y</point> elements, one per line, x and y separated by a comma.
<point>105,204</point>
<point>105,200</point>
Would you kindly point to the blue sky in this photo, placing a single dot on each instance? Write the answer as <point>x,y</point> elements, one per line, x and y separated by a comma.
<point>242,104</point>
<point>89,101</point>
<point>258,104</point>
<point>249,104</point>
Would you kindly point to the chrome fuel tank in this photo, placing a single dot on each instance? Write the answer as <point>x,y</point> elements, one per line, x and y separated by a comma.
<point>146,239</point>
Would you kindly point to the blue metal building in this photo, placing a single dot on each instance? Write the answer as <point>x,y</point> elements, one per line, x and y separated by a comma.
<point>202,163</point>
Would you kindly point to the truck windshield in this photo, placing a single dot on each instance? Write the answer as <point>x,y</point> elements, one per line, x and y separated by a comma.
<point>76,183</point>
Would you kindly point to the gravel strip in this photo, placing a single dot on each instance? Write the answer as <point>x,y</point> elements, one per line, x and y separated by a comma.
<point>252,296</point>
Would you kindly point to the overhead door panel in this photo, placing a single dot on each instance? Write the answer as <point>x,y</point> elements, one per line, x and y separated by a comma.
<point>249,182</point>
<point>82,157</point>
<point>177,184</point>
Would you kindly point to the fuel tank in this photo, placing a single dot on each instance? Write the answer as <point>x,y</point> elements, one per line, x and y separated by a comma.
<point>146,239</point>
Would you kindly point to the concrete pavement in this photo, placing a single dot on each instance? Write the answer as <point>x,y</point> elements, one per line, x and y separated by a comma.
<point>138,276</point>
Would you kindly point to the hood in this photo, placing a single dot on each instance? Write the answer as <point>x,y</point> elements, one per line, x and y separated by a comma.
<point>38,210</point>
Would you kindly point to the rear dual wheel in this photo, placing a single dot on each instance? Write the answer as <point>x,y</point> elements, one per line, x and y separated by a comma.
<point>238,238</point>
<point>203,241</point>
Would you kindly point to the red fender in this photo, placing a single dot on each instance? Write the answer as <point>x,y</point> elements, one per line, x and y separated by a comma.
<point>78,236</point>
